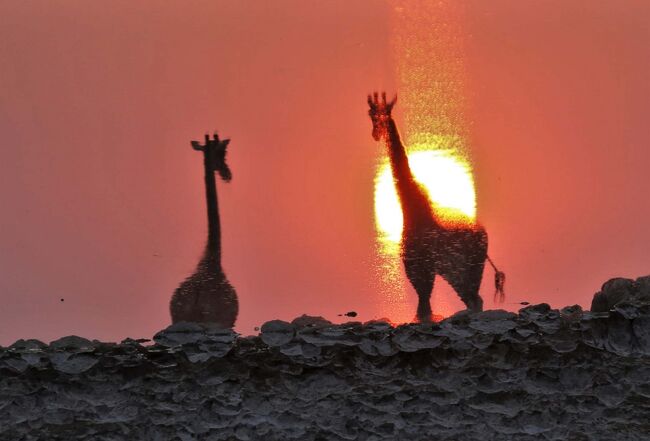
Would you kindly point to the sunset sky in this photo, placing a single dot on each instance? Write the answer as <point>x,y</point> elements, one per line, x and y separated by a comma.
<point>102,195</point>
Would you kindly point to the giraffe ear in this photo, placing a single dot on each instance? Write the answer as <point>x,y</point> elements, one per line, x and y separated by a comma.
<point>390,105</point>
<point>224,143</point>
<point>224,172</point>
<point>197,146</point>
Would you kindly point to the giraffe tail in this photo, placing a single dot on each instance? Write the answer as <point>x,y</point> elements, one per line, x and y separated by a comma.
<point>499,283</point>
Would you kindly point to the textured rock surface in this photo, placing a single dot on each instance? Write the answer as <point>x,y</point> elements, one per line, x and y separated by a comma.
<point>620,290</point>
<point>542,374</point>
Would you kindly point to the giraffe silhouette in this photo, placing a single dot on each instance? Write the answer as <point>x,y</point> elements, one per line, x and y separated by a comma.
<point>207,296</point>
<point>457,253</point>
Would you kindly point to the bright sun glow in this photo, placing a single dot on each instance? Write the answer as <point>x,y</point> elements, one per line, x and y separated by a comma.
<point>447,177</point>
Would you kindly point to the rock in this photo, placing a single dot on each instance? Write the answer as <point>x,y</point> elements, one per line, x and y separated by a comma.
<point>73,343</point>
<point>494,321</point>
<point>643,286</point>
<point>612,292</point>
<point>641,328</point>
<point>546,320</point>
<point>382,324</point>
<point>309,321</point>
<point>347,334</point>
<point>620,338</point>
<point>28,345</point>
<point>541,374</point>
<point>179,334</point>
<point>16,364</point>
<point>610,395</point>
<point>412,338</point>
<point>135,342</point>
<point>381,347</point>
<point>301,350</point>
<point>277,332</point>
<point>459,318</point>
<point>562,342</point>
<point>627,310</point>
<point>201,342</point>
<point>533,312</point>
<point>573,311</point>
<point>73,363</point>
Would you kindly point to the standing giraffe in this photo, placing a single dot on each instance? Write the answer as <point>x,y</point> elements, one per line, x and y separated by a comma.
<point>456,253</point>
<point>207,296</point>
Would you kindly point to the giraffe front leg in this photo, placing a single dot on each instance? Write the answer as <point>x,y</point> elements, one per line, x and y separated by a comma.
<point>422,279</point>
<point>424,313</point>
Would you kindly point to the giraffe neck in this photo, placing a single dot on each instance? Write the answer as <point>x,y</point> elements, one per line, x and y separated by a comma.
<point>416,206</point>
<point>398,160</point>
<point>213,248</point>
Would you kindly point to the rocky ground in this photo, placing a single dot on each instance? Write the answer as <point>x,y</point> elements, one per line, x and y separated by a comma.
<point>541,374</point>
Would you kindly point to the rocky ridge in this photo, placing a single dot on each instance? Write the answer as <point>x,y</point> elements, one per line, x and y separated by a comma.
<point>542,374</point>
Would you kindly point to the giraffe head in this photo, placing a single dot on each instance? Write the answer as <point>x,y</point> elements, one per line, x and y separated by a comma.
<point>215,153</point>
<point>380,114</point>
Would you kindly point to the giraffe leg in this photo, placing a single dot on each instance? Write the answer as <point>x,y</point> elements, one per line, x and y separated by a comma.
<point>467,284</point>
<point>472,299</point>
<point>422,279</point>
<point>463,262</point>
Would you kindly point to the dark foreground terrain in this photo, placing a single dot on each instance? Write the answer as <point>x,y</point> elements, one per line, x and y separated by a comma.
<point>542,374</point>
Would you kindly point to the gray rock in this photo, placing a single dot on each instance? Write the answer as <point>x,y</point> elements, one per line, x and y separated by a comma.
<point>542,374</point>
<point>375,347</point>
<point>72,363</point>
<point>643,285</point>
<point>494,321</point>
<point>620,338</point>
<point>73,343</point>
<point>641,329</point>
<point>612,292</point>
<point>184,333</point>
<point>309,321</point>
<point>627,310</point>
<point>611,395</point>
<point>412,338</point>
<point>562,342</point>
<point>534,312</point>
<point>277,332</point>
<point>572,312</point>
<point>16,364</point>
<point>31,344</point>
<point>380,325</point>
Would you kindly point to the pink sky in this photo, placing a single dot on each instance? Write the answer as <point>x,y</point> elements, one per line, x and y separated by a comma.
<point>102,198</point>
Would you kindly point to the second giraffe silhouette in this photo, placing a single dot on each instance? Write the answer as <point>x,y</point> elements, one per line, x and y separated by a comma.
<point>207,296</point>
<point>456,253</point>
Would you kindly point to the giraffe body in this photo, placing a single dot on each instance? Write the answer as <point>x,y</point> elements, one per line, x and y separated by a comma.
<point>207,296</point>
<point>456,253</point>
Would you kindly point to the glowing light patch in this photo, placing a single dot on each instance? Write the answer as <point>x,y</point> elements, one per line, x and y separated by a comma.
<point>428,40</point>
<point>448,179</point>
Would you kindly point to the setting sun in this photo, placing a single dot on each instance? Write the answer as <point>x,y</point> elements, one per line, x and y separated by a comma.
<point>445,175</point>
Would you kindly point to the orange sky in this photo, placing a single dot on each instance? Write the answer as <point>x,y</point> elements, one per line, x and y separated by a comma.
<point>102,198</point>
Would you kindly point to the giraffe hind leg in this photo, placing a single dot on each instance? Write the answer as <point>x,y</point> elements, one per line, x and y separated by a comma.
<point>467,284</point>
